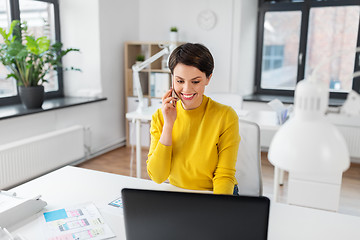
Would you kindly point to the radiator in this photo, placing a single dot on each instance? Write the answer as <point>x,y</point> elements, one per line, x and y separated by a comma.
<point>28,158</point>
<point>352,137</point>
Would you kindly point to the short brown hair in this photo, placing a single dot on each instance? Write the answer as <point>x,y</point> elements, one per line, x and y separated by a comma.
<point>192,54</point>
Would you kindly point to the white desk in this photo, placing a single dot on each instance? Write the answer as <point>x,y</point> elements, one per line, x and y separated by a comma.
<point>267,120</point>
<point>144,115</point>
<point>69,186</point>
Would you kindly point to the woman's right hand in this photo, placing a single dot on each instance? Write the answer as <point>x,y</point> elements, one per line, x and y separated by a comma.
<point>168,108</point>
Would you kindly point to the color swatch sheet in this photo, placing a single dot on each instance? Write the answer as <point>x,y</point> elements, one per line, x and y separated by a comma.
<point>76,223</point>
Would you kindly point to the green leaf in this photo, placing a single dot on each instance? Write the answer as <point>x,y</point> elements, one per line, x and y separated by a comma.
<point>74,69</point>
<point>16,29</point>
<point>11,75</point>
<point>4,35</point>
<point>43,44</point>
<point>31,45</point>
<point>15,48</point>
<point>30,59</point>
<point>13,25</point>
<point>57,46</point>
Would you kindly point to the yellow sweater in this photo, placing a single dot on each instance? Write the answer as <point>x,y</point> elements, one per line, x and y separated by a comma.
<point>204,148</point>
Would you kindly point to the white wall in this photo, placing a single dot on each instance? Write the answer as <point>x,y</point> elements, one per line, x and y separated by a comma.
<point>244,46</point>
<point>157,16</point>
<point>99,29</point>
<point>81,30</point>
<point>118,23</point>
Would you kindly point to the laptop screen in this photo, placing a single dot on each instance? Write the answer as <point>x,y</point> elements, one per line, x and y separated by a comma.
<point>151,214</point>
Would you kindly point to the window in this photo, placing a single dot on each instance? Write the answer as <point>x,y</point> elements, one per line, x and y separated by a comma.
<point>42,17</point>
<point>297,37</point>
<point>281,45</point>
<point>273,57</point>
<point>7,86</point>
<point>333,31</point>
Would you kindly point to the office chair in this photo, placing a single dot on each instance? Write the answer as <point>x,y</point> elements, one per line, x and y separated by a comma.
<point>231,99</point>
<point>248,164</point>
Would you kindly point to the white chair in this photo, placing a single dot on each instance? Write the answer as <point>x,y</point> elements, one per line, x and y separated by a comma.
<point>231,99</point>
<point>248,165</point>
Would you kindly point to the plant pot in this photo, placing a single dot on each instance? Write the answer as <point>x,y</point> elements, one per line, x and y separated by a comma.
<point>173,37</point>
<point>31,97</point>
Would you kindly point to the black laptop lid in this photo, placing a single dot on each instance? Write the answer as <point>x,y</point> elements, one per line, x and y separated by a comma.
<point>151,214</point>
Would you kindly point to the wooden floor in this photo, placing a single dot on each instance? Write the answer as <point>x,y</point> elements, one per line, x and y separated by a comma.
<point>118,161</point>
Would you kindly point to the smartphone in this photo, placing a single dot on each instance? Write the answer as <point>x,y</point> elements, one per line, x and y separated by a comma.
<point>174,94</point>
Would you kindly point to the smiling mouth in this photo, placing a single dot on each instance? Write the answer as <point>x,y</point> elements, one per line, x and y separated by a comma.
<point>188,96</point>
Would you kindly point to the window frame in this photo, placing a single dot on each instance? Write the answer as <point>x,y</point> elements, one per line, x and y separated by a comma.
<point>15,15</point>
<point>305,7</point>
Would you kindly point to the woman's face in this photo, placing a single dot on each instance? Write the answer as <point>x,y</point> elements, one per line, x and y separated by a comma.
<point>189,84</point>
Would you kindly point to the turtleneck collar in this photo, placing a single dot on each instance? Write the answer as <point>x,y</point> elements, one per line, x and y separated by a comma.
<point>200,108</point>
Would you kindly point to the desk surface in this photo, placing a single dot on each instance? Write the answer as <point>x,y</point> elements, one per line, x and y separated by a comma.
<point>69,186</point>
<point>145,114</point>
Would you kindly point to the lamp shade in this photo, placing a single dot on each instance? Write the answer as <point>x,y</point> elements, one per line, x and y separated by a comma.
<point>309,146</point>
<point>307,142</point>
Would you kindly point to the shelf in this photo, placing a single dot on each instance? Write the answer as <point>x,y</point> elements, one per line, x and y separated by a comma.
<point>160,70</point>
<point>151,84</point>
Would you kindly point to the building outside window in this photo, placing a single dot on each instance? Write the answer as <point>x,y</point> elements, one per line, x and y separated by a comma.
<point>296,36</point>
<point>333,31</point>
<point>281,29</point>
<point>273,57</point>
<point>42,17</point>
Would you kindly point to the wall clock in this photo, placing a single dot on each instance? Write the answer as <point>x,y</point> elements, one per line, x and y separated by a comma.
<point>206,19</point>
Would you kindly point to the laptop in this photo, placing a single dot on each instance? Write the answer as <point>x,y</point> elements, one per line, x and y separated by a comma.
<point>152,214</point>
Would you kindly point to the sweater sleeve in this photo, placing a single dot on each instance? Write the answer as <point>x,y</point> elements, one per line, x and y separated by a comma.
<point>159,157</point>
<point>224,176</point>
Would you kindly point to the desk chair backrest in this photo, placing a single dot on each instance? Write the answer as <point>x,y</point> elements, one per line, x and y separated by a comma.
<point>231,99</point>
<point>248,165</point>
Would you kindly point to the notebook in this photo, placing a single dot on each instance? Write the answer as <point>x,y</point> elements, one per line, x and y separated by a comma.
<point>151,214</point>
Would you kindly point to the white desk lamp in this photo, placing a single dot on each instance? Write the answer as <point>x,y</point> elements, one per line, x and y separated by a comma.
<point>311,149</point>
<point>143,112</point>
<point>167,49</point>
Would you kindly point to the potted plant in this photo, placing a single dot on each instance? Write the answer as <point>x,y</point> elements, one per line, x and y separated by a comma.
<point>140,58</point>
<point>30,60</point>
<point>173,34</point>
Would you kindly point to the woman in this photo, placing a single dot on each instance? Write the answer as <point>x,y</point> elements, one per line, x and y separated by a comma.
<point>194,140</point>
